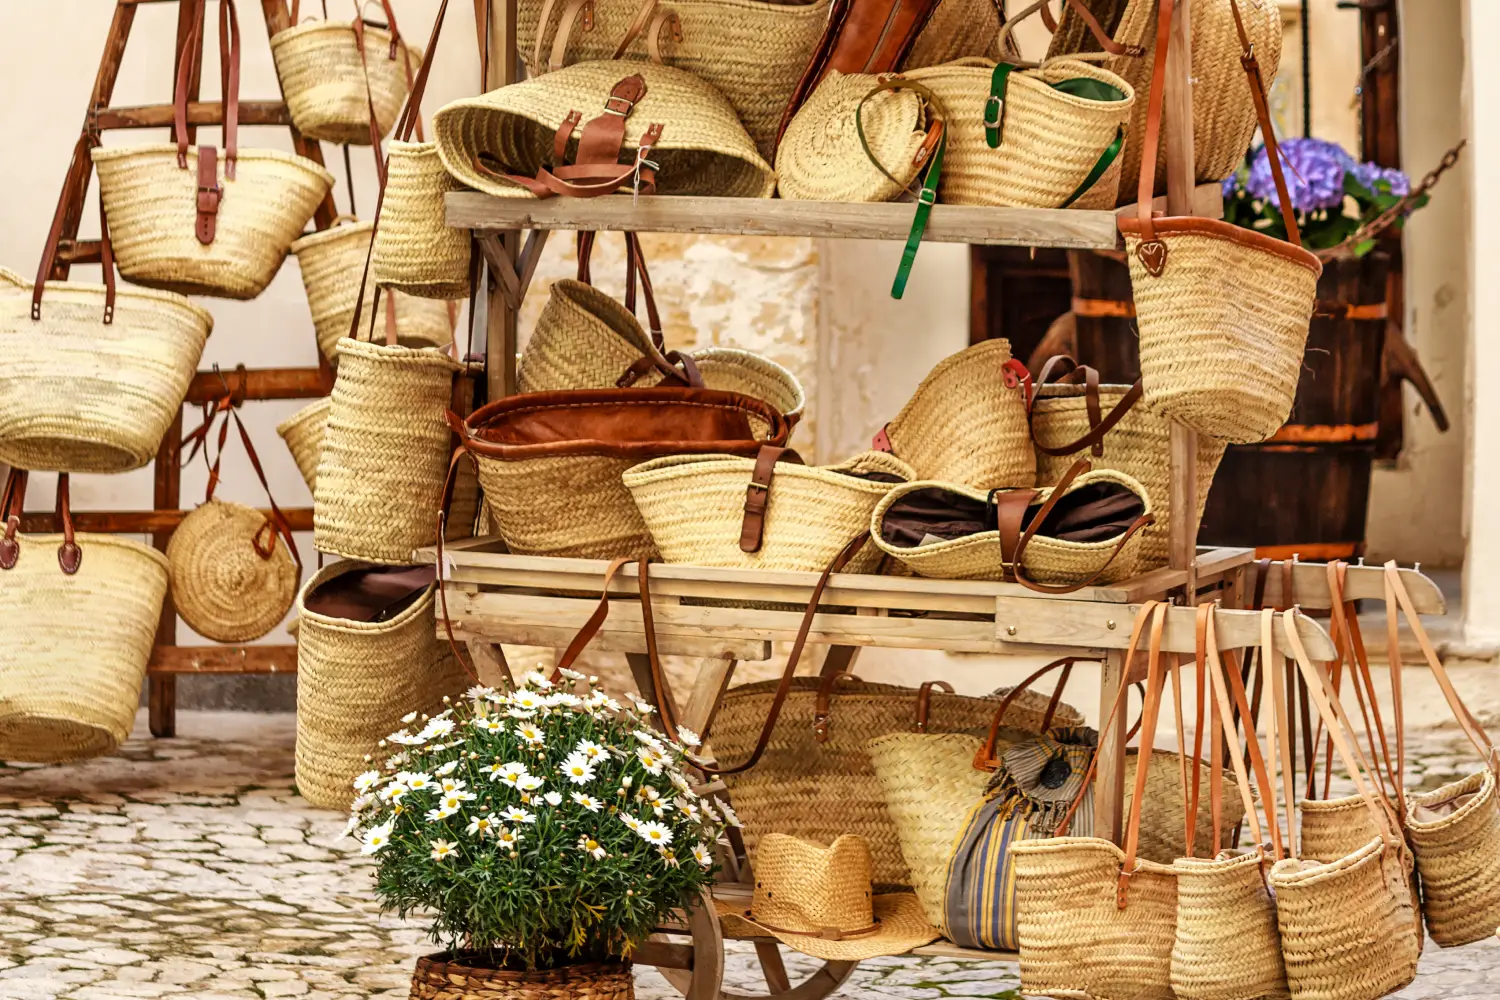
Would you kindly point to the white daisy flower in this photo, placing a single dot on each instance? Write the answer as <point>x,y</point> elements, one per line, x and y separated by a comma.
<point>655,833</point>
<point>588,749</point>
<point>496,697</point>
<point>688,738</point>
<point>667,856</point>
<point>631,822</point>
<point>518,815</point>
<point>650,760</point>
<point>478,692</point>
<point>375,838</point>
<point>729,815</point>
<point>366,781</point>
<point>406,739</point>
<point>686,807</point>
<point>650,739</point>
<point>708,810</point>
<point>398,760</point>
<point>508,837</point>
<point>434,814</point>
<point>526,701</point>
<point>553,799</point>
<point>393,792</point>
<point>446,769</point>
<point>442,849</point>
<point>626,781</point>
<point>571,675</point>
<point>361,803</point>
<point>563,699</point>
<point>578,769</point>
<point>453,803</point>
<point>703,855</point>
<point>591,804</point>
<point>436,728</point>
<point>592,848</point>
<point>521,713</point>
<point>510,773</point>
<point>481,827</point>
<point>487,724</point>
<point>536,679</point>
<point>408,718</point>
<point>680,782</point>
<point>644,708</point>
<point>653,799</point>
<point>415,781</point>
<point>529,783</point>
<point>451,785</point>
<point>530,733</point>
<point>349,828</point>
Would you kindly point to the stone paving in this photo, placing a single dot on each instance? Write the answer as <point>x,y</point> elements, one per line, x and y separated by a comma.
<point>189,868</point>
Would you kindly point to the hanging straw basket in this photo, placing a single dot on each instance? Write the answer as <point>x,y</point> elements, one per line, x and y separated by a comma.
<point>385,452</point>
<point>703,149</point>
<point>416,252</point>
<point>83,395</point>
<point>694,507</point>
<point>355,680</point>
<point>820,157</point>
<point>223,589</point>
<point>1050,140</point>
<point>332,264</point>
<point>330,90</point>
<point>303,434</point>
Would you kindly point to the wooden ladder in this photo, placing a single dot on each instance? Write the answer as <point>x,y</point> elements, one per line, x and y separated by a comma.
<point>168,659</point>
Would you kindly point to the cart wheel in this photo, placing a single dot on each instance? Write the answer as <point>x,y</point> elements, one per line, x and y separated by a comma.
<point>705,981</point>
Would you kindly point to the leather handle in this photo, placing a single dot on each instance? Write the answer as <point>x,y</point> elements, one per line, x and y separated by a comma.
<point>986,759</point>
<point>1108,44</point>
<point>390,22</point>
<point>823,703</point>
<point>87,140</point>
<point>924,703</point>
<point>69,555</point>
<point>758,494</point>
<point>1149,714</point>
<point>1100,424</point>
<point>12,505</point>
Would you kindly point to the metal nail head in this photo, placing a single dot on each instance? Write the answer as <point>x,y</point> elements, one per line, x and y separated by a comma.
<point>1110,624</point>
<point>1010,630</point>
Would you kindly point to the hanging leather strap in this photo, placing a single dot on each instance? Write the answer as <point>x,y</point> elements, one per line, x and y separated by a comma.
<point>924,703</point>
<point>823,703</point>
<point>758,494</point>
<point>1099,423</point>
<point>87,140</point>
<point>674,368</point>
<point>986,758</point>
<point>1003,41</point>
<point>13,503</point>
<point>209,191</point>
<point>1149,715</point>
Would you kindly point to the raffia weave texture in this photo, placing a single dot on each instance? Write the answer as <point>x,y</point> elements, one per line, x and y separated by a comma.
<point>76,647</point>
<point>303,434</point>
<point>152,207</point>
<point>565,505</point>
<point>416,252</point>
<point>385,452</point>
<point>221,586</point>
<point>1458,854</point>
<point>1330,829</point>
<point>1227,945</point>
<point>820,157</point>
<point>957,28</point>
<point>1050,140</point>
<point>324,79</point>
<point>354,682</point>
<point>446,977</point>
<point>82,395</point>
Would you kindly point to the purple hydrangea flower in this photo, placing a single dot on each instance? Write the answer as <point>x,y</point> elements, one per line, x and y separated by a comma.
<point>1314,170</point>
<point>1370,174</point>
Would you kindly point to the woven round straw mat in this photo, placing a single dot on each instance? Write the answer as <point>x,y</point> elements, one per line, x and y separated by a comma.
<point>703,149</point>
<point>222,587</point>
<point>821,158</point>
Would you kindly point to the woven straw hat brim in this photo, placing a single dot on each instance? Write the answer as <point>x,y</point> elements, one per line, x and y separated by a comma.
<point>222,587</point>
<point>329,90</point>
<point>80,395</point>
<point>820,157</point>
<point>303,434</point>
<point>703,150</point>
<point>902,928</point>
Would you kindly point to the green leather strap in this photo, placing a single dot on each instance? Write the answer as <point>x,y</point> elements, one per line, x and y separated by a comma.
<point>1079,86</point>
<point>994,108</point>
<point>926,198</point>
<point>1100,166</point>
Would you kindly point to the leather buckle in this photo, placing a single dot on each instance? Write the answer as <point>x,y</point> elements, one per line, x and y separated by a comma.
<point>612,100</point>
<point>927,196</point>
<point>208,198</point>
<point>992,109</point>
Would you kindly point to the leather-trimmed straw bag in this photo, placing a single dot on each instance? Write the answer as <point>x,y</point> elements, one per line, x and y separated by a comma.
<point>303,434</point>
<point>81,613</point>
<point>187,221</point>
<point>94,373</point>
<point>1223,311</point>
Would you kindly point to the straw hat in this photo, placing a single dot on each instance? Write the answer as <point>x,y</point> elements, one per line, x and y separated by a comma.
<point>819,901</point>
<point>703,149</point>
<point>821,157</point>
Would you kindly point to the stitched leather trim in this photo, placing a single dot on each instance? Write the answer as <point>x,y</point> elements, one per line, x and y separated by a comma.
<point>1190,225</point>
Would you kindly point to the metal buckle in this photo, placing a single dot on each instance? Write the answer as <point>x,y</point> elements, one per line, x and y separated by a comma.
<point>927,196</point>
<point>609,103</point>
<point>992,108</point>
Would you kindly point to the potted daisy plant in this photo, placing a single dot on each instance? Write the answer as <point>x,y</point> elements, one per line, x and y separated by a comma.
<point>546,830</point>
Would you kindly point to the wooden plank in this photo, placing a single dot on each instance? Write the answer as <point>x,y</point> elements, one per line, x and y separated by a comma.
<point>706,694</point>
<point>141,521</point>
<point>171,660</point>
<point>489,662</point>
<point>1213,565</point>
<point>482,628</point>
<point>166,494</point>
<point>501,66</point>
<point>1208,201</point>
<point>1109,785</point>
<point>1069,228</point>
<point>199,113</point>
<point>947,949</point>
<point>663,955</point>
<point>259,383</point>
<point>1102,626</point>
<point>1310,587</point>
<point>1182,529</point>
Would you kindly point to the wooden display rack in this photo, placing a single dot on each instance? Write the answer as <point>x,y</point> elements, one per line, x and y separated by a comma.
<point>494,597</point>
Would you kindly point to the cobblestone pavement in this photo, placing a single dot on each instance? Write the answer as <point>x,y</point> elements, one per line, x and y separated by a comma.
<point>188,868</point>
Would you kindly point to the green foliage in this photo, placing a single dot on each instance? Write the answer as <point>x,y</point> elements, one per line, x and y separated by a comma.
<point>540,827</point>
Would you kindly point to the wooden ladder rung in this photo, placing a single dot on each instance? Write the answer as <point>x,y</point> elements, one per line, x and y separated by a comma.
<point>223,660</point>
<point>198,113</point>
<point>259,383</point>
<point>142,522</point>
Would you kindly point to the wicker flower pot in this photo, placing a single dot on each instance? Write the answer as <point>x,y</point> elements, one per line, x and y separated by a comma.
<point>446,976</point>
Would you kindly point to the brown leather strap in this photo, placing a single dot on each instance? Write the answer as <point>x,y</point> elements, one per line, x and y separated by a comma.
<point>823,702</point>
<point>445,504</point>
<point>12,505</point>
<point>390,23</point>
<point>1146,188</point>
<point>577,13</point>
<point>1268,131</point>
<point>821,933</point>
<point>209,194</point>
<point>758,494</point>
<point>924,703</point>
<point>986,759</point>
<point>1149,715</point>
<point>1108,44</point>
<point>87,140</point>
<point>638,24</point>
<point>1014,561</point>
<point>374,125</point>
<point>69,555</point>
<point>1099,424</point>
<point>229,41</point>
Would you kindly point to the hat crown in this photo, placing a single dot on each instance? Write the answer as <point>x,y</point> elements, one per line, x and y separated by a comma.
<point>804,887</point>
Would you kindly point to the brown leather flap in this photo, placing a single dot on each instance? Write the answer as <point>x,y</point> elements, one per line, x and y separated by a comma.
<point>1098,511</point>
<point>373,594</point>
<point>623,423</point>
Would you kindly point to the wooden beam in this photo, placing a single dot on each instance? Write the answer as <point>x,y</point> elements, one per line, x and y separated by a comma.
<point>177,660</point>
<point>1109,785</point>
<point>473,627</point>
<point>258,383</point>
<point>142,522</point>
<point>1310,587</point>
<point>199,113</point>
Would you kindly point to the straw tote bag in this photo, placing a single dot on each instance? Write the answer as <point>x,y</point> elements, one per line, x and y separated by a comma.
<point>94,374</point>
<point>1076,416</point>
<point>770,512</point>
<point>1351,929</point>
<point>367,654</point>
<point>343,82</point>
<point>303,434</point>
<point>751,51</point>
<point>1223,311</point>
<point>186,221</point>
<point>1223,120</point>
<point>235,571</point>
<point>81,614</point>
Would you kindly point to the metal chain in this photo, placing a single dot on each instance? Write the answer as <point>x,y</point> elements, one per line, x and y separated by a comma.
<point>1401,209</point>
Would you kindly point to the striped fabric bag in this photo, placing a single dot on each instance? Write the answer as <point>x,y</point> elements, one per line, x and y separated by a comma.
<point>1031,790</point>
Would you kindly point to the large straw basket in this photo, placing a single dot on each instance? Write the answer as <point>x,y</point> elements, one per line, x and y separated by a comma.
<point>1135,446</point>
<point>1050,141</point>
<point>703,149</point>
<point>967,421</point>
<point>415,251</point>
<point>1227,945</point>
<point>80,394</point>
<point>385,451</point>
<point>1457,855</point>
<point>820,790</point>
<point>451,976</point>
<point>332,263</point>
<point>152,207</point>
<point>694,507</point>
<point>223,588</point>
<point>1223,115</point>
<point>820,157</point>
<point>303,434</point>
<point>355,680</point>
<point>957,28</point>
<point>330,90</point>
<point>751,51</point>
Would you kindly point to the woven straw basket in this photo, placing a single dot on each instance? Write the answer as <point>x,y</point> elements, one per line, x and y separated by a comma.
<point>1050,141</point>
<point>1049,561</point>
<point>1223,116</point>
<point>332,263</point>
<point>821,790</point>
<point>957,28</point>
<point>76,647</point>
<point>1458,857</point>
<point>820,157</point>
<point>448,976</point>
<point>354,682</point>
<point>967,421</point>
<point>303,434</point>
<point>1135,446</point>
<point>82,395</point>
<point>330,90</point>
<point>416,252</point>
<point>222,588</point>
<point>751,51</point>
<point>694,505</point>
<point>1227,945</point>
<point>152,207</point>
<point>703,149</point>
<point>385,452</point>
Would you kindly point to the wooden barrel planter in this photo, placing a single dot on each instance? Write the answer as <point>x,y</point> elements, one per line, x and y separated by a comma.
<point>1307,490</point>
